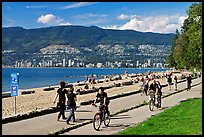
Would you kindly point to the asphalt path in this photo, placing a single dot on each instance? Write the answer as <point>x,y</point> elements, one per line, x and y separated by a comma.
<point>126,119</point>
<point>48,124</point>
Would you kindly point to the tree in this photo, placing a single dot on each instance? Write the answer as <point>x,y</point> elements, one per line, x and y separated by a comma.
<point>170,58</point>
<point>187,47</point>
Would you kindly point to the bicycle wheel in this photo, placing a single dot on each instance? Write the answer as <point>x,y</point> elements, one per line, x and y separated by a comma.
<point>159,103</point>
<point>106,119</point>
<point>151,105</point>
<point>97,121</point>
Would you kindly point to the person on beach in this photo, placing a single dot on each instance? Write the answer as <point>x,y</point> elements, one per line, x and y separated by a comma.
<point>71,103</point>
<point>189,81</point>
<point>175,83</point>
<point>102,97</point>
<point>61,92</point>
<point>86,87</point>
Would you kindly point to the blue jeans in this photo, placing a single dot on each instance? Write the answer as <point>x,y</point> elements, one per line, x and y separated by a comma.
<point>71,114</point>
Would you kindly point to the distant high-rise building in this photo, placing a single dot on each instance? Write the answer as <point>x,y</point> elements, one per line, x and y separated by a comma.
<point>50,63</point>
<point>137,65</point>
<point>99,65</point>
<point>148,64</point>
<point>64,62</point>
<point>69,63</point>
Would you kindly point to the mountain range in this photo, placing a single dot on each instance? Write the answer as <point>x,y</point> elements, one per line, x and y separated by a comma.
<point>86,43</point>
<point>32,40</point>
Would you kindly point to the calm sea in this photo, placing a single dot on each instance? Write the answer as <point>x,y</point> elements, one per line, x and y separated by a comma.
<point>42,77</point>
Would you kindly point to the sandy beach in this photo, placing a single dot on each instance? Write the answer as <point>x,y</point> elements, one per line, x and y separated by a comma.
<point>44,99</point>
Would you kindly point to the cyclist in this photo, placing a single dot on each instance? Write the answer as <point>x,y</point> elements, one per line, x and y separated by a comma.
<point>102,97</point>
<point>158,91</point>
<point>154,87</point>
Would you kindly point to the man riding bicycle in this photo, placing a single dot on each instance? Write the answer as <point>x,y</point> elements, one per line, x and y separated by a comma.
<point>156,87</point>
<point>102,97</point>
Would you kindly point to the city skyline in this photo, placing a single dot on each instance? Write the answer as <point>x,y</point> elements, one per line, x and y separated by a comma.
<point>160,17</point>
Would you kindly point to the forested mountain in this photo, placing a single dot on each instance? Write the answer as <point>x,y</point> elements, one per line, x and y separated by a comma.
<point>32,40</point>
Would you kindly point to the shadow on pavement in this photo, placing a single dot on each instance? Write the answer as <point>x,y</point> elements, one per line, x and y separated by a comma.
<point>113,127</point>
<point>120,117</point>
<point>83,111</point>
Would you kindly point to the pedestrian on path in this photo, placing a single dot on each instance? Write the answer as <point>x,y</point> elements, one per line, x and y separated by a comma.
<point>189,81</point>
<point>175,83</point>
<point>62,99</point>
<point>71,103</point>
<point>169,81</point>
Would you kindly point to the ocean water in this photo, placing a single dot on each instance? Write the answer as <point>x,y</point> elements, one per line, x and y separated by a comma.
<point>42,77</point>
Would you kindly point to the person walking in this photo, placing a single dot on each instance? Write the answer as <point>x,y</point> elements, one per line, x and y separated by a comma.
<point>62,99</point>
<point>175,83</point>
<point>71,103</point>
<point>146,86</point>
<point>169,81</point>
<point>189,81</point>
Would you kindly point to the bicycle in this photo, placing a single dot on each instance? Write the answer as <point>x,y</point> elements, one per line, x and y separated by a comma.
<point>100,116</point>
<point>152,100</point>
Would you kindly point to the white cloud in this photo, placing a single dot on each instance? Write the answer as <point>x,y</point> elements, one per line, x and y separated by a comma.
<point>51,19</point>
<point>158,24</point>
<point>35,7</point>
<point>90,15</point>
<point>64,24</point>
<point>123,17</point>
<point>79,4</point>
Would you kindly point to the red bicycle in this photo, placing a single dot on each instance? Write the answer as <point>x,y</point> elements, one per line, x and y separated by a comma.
<point>100,116</point>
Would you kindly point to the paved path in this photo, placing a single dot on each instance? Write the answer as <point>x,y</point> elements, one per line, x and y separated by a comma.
<point>47,124</point>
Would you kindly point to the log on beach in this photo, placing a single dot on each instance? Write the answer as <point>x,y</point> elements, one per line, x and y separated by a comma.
<point>127,83</point>
<point>48,89</point>
<point>27,92</point>
<point>6,94</point>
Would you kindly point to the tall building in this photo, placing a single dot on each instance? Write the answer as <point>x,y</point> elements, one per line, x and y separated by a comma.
<point>64,62</point>
<point>148,64</point>
<point>99,65</point>
<point>69,63</point>
<point>137,65</point>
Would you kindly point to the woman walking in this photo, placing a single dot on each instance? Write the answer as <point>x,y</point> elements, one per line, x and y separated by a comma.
<point>71,103</point>
<point>175,83</point>
<point>62,99</point>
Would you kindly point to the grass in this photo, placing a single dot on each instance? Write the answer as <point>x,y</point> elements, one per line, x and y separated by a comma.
<point>182,119</point>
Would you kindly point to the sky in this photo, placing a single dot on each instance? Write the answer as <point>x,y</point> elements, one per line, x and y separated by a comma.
<point>158,17</point>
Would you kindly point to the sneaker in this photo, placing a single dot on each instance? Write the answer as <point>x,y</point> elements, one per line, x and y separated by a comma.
<point>67,122</point>
<point>64,118</point>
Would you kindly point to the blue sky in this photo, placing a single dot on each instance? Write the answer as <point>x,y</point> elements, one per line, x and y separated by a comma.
<point>161,17</point>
